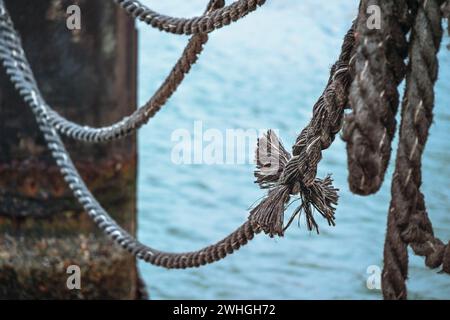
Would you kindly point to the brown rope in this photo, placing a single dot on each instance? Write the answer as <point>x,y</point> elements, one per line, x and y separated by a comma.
<point>374,98</point>
<point>296,175</point>
<point>446,13</point>
<point>204,24</point>
<point>141,116</point>
<point>408,222</point>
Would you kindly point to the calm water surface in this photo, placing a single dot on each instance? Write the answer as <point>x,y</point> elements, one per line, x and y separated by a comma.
<point>266,71</point>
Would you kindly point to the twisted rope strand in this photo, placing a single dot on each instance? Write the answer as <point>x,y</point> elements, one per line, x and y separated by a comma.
<point>204,24</point>
<point>296,175</point>
<point>407,219</point>
<point>210,254</point>
<point>328,112</point>
<point>379,59</point>
<point>96,212</point>
<point>12,52</point>
<point>374,98</point>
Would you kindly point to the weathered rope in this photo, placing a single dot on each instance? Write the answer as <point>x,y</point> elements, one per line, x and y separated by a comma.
<point>296,175</point>
<point>374,98</point>
<point>328,113</point>
<point>210,254</point>
<point>12,51</point>
<point>204,24</point>
<point>316,195</point>
<point>408,222</point>
<point>379,59</point>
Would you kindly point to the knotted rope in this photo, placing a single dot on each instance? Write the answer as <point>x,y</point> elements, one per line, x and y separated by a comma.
<point>296,175</point>
<point>374,98</point>
<point>204,24</point>
<point>320,194</point>
<point>408,221</point>
<point>11,49</point>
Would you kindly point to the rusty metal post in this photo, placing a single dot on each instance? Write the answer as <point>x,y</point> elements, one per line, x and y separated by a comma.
<point>88,75</point>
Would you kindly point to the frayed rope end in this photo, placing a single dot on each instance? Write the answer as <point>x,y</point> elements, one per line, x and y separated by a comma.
<point>321,196</point>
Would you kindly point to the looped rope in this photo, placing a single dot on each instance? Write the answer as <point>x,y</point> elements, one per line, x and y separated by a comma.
<point>374,98</point>
<point>204,24</point>
<point>12,51</point>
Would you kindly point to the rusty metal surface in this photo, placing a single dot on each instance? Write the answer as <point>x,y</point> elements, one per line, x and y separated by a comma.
<point>89,75</point>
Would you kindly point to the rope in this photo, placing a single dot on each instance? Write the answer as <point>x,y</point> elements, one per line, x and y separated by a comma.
<point>296,175</point>
<point>374,61</point>
<point>408,222</point>
<point>374,98</point>
<point>102,219</point>
<point>328,113</point>
<point>446,13</point>
<point>12,51</point>
<point>204,24</point>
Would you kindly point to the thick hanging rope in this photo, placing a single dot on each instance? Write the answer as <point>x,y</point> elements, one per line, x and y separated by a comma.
<point>204,24</point>
<point>12,48</point>
<point>408,222</point>
<point>374,98</point>
<point>316,195</point>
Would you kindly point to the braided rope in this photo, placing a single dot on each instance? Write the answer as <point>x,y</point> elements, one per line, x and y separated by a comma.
<point>446,13</point>
<point>408,222</point>
<point>327,117</point>
<point>318,194</point>
<point>374,98</point>
<point>210,254</point>
<point>288,175</point>
<point>12,51</point>
<point>204,24</point>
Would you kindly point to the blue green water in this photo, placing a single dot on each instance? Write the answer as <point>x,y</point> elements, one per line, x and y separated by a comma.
<point>266,71</point>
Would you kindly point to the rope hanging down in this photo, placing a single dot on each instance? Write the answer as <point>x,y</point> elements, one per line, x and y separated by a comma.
<point>318,194</point>
<point>370,67</point>
<point>204,24</point>
<point>408,222</point>
<point>296,175</point>
<point>374,98</point>
<point>11,40</point>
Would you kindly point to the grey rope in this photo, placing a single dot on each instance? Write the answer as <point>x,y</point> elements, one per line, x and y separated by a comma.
<point>204,24</point>
<point>26,88</point>
<point>319,194</point>
<point>12,51</point>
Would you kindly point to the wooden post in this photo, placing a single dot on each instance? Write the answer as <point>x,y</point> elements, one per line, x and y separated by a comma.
<point>89,76</point>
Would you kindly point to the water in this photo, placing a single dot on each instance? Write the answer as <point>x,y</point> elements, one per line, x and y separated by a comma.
<point>266,71</point>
